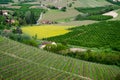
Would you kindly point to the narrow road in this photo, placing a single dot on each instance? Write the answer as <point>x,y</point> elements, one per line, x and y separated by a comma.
<point>38,21</point>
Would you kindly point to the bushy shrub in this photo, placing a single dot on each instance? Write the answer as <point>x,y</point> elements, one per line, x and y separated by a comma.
<point>93,17</point>
<point>55,48</point>
<point>52,7</point>
<point>117,77</point>
<point>63,9</point>
<point>104,58</point>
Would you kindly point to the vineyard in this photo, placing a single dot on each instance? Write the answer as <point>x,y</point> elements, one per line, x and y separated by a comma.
<point>103,34</point>
<point>19,61</point>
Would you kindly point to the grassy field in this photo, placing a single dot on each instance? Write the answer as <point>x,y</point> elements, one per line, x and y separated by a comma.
<point>91,3</point>
<point>70,11</point>
<point>118,17</point>
<point>77,23</point>
<point>1,39</point>
<point>57,15</point>
<point>18,61</point>
<point>45,31</point>
<point>80,3</point>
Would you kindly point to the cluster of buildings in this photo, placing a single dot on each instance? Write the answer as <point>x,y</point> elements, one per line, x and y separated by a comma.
<point>6,14</point>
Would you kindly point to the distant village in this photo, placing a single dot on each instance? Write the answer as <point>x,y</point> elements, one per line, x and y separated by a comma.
<point>6,14</point>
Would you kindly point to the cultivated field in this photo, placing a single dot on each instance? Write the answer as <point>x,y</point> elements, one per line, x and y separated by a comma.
<point>80,3</point>
<point>45,31</point>
<point>104,34</point>
<point>58,15</point>
<point>71,13</point>
<point>21,62</point>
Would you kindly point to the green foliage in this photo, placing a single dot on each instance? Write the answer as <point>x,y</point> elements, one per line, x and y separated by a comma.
<point>99,17</point>
<point>30,17</point>
<point>1,39</point>
<point>117,77</point>
<point>103,34</point>
<point>55,48</point>
<point>97,10</point>
<point>2,26</point>
<point>2,19</point>
<point>18,59</point>
<point>93,17</point>
<point>63,9</point>
<point>95,13</point>
<point>30,42</point>
<point>18,30</point>
<point>52,7</point>
<point>103,58</point>
<point>69,5</point>
<point>21,14</point>
<point>16,34</point>
<point>116,46</point>
<point>5,1</point>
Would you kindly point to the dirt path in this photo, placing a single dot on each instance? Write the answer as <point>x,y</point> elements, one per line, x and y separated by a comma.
<point>38,21</point>
<point>77,50</point>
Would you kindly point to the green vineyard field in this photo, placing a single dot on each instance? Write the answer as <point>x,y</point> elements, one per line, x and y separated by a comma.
<point>103,34</point>
<point>22,62</point>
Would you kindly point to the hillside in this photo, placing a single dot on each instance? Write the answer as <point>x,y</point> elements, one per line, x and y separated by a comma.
<point>59,40</point>
<point>18,61</point>
<point>103,34</point>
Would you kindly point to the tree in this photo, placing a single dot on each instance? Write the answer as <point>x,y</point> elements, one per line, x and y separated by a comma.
<point>117,77</point>
<point>17,30</point>
<point>1,12</point>
<point>63,9</point>
<point>2,19</point>
<point>30,17</point>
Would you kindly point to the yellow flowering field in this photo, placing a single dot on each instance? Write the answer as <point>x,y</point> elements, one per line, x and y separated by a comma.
<point>45,31</point>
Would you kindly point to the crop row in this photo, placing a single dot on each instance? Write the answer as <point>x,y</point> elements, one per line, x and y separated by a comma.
<point>30,63</point>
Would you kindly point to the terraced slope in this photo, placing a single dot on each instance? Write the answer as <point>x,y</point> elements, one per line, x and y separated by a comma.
<point>18,61</point>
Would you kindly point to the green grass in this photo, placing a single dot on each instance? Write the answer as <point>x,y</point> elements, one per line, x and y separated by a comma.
<point>92,3</point>
<point>97,10</point>
<point>94,17</point>
<point>55,15</point>
<point>118,17</point>
<point>1,39</point>
<point>5,1</point>
<point>104,34</point>
<point>18,61</point>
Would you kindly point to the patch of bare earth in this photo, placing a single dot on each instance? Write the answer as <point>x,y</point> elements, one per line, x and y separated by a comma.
<point>111,13</point>
<point>77,50</point>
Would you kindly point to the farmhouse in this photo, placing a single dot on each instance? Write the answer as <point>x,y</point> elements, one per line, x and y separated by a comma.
<point>46,22</point>
<point>11,21</point>
<point>43,45</point>
<point>4,12</point>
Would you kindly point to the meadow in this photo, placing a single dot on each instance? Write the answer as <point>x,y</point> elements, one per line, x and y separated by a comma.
<point>45,31</point>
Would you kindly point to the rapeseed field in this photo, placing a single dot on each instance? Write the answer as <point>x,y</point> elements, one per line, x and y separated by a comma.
<point>45,31</point>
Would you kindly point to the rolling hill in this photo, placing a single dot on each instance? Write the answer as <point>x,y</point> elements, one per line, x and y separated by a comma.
<point>19,61</point>
<point>103,34</point>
